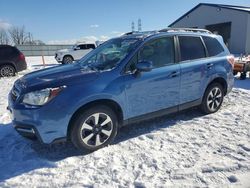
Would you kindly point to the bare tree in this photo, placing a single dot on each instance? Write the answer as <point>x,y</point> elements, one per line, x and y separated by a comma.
<point>4,38</point>
<point>18,35</point>
<point>38,42</point>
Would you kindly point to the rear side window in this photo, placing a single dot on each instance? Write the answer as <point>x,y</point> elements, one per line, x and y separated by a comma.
<point>8,52</point>
<point>191,48</point>
<point>213,46</point>
<point>86,46</point>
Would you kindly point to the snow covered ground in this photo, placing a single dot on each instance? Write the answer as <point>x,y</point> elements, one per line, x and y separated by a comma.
<point>182,150</point>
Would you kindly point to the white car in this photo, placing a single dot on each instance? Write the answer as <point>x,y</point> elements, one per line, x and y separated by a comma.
<point>66,56</point>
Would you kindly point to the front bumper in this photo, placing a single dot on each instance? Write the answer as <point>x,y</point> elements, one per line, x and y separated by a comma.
<point>58,58</point>
<point>38,123</point>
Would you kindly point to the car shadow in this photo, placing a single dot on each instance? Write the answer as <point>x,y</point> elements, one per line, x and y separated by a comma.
<point>19,156</point>
<point>144,127</point>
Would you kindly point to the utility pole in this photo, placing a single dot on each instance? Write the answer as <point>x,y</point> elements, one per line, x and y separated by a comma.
<point>139,25</point>
<point>133,26</point>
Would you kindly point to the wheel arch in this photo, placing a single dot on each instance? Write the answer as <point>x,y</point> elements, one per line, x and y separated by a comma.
<point>8,63</point>
<point>106,102</point>
<point>221,81</point>
<point>69,56</point>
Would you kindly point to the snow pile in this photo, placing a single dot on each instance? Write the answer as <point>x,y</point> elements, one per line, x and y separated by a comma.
<point>185,149</point>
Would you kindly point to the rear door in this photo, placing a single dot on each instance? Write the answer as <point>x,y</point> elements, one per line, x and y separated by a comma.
<point>195,68</point>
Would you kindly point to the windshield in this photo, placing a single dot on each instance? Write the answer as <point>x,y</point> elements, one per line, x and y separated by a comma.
<point>109,54</point>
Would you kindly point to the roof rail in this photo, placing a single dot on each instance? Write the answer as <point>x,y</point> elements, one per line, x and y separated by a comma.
<point>129,33</point>
<point>141,32</point>
<point>170,29</point>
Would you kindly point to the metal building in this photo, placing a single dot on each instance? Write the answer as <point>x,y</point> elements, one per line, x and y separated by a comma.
<point>229,21</point>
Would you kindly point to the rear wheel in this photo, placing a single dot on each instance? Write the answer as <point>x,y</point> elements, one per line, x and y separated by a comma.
<point>67,59</point>
<point>94,128</point>
<point>212,99</point>
<point>7,70</point>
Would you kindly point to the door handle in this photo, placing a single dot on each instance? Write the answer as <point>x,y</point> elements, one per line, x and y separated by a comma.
<point>209,65</point>
<point>174,74</point>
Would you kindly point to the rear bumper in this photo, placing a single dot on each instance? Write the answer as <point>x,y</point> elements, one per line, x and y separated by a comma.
<point>21,65</point>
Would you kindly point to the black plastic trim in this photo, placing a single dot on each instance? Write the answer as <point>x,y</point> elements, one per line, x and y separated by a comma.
<point>162,112</point>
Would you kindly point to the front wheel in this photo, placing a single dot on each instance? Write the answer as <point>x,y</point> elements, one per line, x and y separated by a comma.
<point>67,59</point>
<point>94,128</point>
<point>212,99</point>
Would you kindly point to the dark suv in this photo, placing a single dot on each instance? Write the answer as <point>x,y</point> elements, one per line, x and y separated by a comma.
<point>11,61</point>
<point>127,79</point>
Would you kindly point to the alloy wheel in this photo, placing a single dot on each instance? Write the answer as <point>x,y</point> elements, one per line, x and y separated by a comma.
<point>214,99</point>
<point>68,60</point>
<point>96,129</point>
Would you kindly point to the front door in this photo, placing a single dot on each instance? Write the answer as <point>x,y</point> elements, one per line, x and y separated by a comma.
<point>82,51</point>
<point>158,89</point>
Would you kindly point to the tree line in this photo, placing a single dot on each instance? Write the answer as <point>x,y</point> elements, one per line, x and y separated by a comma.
<point>17,36</point>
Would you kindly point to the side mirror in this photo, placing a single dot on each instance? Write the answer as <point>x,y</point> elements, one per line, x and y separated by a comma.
<point>144,66</point>
<point>77,48</point>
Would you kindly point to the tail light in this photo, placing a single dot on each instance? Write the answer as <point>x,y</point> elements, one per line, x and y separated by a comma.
<point>231,60</point>
<point>21,57</point>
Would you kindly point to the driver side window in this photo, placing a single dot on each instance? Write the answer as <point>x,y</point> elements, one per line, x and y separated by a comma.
<point>159,51</point>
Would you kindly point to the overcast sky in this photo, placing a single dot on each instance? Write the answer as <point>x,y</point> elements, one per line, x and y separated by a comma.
<point>70,20</point>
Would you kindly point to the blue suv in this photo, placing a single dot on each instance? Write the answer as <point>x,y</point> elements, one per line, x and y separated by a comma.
<point>127,79</point>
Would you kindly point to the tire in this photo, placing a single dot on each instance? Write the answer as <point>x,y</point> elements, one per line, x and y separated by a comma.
<point>212,99</point>
<point>67,59</point>
<point>7,71</point>
<point>243,76</point>
<point>94,128</point>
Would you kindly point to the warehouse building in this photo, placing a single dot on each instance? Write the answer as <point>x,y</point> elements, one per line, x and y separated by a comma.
<point>229,21</point>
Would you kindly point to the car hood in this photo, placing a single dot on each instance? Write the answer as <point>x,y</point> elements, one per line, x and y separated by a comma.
<point>57,76</point>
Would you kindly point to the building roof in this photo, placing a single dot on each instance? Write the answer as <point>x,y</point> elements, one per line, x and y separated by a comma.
<point>232,7</point>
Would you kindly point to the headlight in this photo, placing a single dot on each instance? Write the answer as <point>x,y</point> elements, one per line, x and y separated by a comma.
<point>41,97</point>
